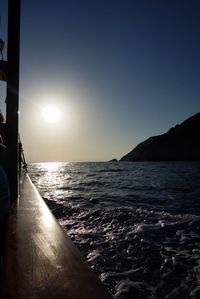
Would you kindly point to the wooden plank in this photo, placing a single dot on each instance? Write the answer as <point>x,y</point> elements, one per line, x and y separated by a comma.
<point>39,259</point>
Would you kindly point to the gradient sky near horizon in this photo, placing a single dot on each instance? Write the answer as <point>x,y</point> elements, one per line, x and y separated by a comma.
<point>119,71</point>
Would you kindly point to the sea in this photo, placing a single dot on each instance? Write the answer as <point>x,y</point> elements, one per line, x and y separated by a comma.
<point>136,223</point>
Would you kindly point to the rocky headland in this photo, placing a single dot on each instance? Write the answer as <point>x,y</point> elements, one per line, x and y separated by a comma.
<point>180,143</point>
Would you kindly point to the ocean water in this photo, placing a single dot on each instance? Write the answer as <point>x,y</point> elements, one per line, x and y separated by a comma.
<point>136,223</point>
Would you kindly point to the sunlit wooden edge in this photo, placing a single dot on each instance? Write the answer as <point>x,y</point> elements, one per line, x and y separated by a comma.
<point>39,259</point>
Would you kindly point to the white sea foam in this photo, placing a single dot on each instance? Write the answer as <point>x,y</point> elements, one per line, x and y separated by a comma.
<point>137,224</point>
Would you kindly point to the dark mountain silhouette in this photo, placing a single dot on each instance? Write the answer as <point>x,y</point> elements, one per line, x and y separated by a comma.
<point>180,143</point>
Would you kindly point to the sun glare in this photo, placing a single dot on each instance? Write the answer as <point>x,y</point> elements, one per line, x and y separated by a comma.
<point>51,114</point>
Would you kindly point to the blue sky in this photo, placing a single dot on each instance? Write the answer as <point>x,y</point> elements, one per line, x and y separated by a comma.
<point>120,71</point>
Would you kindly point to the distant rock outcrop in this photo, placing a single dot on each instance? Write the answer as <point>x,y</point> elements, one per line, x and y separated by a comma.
<point>181,143</point>
<point>113,160</point>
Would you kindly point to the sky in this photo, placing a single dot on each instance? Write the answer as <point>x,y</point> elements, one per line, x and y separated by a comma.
<point>118,72</point>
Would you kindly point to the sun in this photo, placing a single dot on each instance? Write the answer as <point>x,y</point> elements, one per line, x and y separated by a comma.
<point>51,114</point>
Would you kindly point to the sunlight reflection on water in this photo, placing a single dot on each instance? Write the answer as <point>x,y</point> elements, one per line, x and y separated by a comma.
<point>137,224</point>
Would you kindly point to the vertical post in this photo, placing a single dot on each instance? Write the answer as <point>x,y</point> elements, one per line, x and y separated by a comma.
<point>12,98</point>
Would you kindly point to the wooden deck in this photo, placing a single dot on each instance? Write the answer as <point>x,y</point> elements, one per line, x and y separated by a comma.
<point>39,260</point>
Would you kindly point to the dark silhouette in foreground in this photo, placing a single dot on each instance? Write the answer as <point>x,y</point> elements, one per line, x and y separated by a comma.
<point>180,143</point>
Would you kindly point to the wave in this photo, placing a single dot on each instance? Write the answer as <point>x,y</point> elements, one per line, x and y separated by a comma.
<point>138,228</point>
<point>127,246</point>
